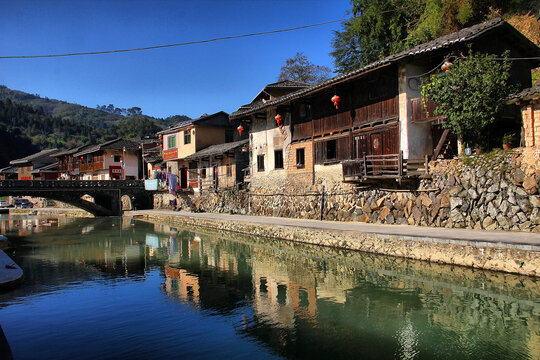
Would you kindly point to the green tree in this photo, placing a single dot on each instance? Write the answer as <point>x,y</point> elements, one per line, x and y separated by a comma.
<point>377,29</point>
<point>380,28</point>
<point>299,68</point>
<point>470,94</point>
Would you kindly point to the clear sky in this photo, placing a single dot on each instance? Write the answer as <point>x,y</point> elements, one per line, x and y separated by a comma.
<point>190,80</point>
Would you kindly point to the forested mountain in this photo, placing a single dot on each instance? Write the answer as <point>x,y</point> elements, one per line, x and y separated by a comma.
<point>103,116</point>
<point>25,129</point>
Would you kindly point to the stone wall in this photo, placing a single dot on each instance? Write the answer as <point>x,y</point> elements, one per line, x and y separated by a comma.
<point>507,258</point>
<point>495,191</point>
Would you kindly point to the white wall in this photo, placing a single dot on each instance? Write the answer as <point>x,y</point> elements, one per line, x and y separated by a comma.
<point>415,138</point>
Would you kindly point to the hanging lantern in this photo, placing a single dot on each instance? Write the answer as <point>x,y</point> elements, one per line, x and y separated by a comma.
<point>446,66</point>
<point>278,118</point>
<point>240,128</point>
<point>336,99</point>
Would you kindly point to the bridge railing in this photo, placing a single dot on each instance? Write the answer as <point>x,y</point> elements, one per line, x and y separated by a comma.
<point>70,184</point>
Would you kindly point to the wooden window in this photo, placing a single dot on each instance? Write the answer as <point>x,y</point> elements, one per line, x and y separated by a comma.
<point>331,150</point>
<point>278,159</point>
<point>260,163</point>
<point>229,170</point>
<point>300,158</point>
<point>203,173</point>
<point>171,141</point>
<point>187,137</point>
<point>229,135</point>
<point>117,158</point>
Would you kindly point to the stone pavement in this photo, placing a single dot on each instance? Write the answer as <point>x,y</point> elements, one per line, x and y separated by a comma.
<point>481,236</point>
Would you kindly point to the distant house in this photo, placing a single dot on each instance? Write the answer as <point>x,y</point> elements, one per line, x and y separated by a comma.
<point>369,124</point>
<point>117,159</point>
<point>220,166</point>
<point>38,166</point>
<point>529,102</point>
<point>68,164</point>
<point>187,138</point>
<point>8,173</point>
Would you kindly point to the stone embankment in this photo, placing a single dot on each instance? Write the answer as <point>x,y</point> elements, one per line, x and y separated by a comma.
<point>495,191</point>
<point>455,247</point>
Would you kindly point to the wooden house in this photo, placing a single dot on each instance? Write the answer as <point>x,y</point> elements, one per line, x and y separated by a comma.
<point>189,137</point>
<point>219,166</point>
<point>38,166</point>
<point>269,144</point>
<point>378,128</point>
<point>117,159</point>
<point>68,164</point>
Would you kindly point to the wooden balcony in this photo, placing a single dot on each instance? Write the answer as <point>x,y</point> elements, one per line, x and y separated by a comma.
<point>421,113</point>
<point>90,167</point>
<point>382,110</point>
<point>391,166</point>
<point>328,124</point>
<point>302,131</point>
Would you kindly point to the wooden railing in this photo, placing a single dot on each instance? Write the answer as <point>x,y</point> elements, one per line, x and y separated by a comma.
<point>422,113</point>
<point>381,110</point>
<point>70,184</point>
<point>391,166</point>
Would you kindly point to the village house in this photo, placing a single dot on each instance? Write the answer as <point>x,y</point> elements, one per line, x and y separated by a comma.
<point>38,166</point>
<point>68,164</point>
<point>117,159</point>
<point>189,137</point>
<point>529,102</point>
<point>221,165</point>
<point>370,124</point>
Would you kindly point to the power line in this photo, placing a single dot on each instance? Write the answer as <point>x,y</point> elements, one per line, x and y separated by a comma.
<point>170,45</point>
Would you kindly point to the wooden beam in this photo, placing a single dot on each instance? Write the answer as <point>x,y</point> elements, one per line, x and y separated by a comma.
<point>442,141</point>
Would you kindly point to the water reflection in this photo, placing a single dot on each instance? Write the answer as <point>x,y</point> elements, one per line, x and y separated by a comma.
<point>288,299</point>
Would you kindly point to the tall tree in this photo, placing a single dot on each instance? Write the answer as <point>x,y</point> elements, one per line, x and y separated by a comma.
<point>377,29</point>
<point>299,68</point>
<point>380,28</point>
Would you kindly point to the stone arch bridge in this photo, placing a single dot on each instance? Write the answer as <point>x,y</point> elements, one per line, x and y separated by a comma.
<point>107,194</point>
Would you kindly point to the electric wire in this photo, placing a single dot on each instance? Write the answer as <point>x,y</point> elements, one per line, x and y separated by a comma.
<point>170,45</point>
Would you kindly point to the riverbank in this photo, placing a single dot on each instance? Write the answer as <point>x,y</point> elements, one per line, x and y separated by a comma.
<point>512,252</point>
<point>72,212</point>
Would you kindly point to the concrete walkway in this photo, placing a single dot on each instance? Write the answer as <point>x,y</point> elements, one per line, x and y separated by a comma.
<point>498,237</point>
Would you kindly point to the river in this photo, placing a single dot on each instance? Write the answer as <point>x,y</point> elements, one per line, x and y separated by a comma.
<point>113,288</point>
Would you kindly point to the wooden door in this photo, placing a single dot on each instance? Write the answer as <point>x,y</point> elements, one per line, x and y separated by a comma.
<point>215,174</point>
<point>183,178</point>
<point>376,149</point>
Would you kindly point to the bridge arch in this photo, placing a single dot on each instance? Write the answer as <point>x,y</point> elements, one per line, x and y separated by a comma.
<point>107,194</point>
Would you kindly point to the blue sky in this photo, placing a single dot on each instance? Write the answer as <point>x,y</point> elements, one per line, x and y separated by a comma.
<point>188,80</point>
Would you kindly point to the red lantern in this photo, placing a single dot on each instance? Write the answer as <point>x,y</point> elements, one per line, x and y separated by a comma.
<point>336,99</point>
<point>278,118</point>
<point>446,66</point>
<point>240,128</point>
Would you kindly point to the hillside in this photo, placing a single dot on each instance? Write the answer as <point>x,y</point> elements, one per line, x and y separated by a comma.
<point>79,113</point>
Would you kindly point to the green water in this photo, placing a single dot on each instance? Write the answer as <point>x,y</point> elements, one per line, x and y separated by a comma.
<point>120,289</point>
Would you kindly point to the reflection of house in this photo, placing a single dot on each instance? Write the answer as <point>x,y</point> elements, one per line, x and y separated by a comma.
<point>38,166</point>
<point>182,283</point>
<point>369,123</point>
<point>529,101</point>
<point>117,159</point>
<point>187,138</point>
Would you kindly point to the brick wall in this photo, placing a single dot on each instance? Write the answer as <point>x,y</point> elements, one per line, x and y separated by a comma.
<point>531,124</point>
